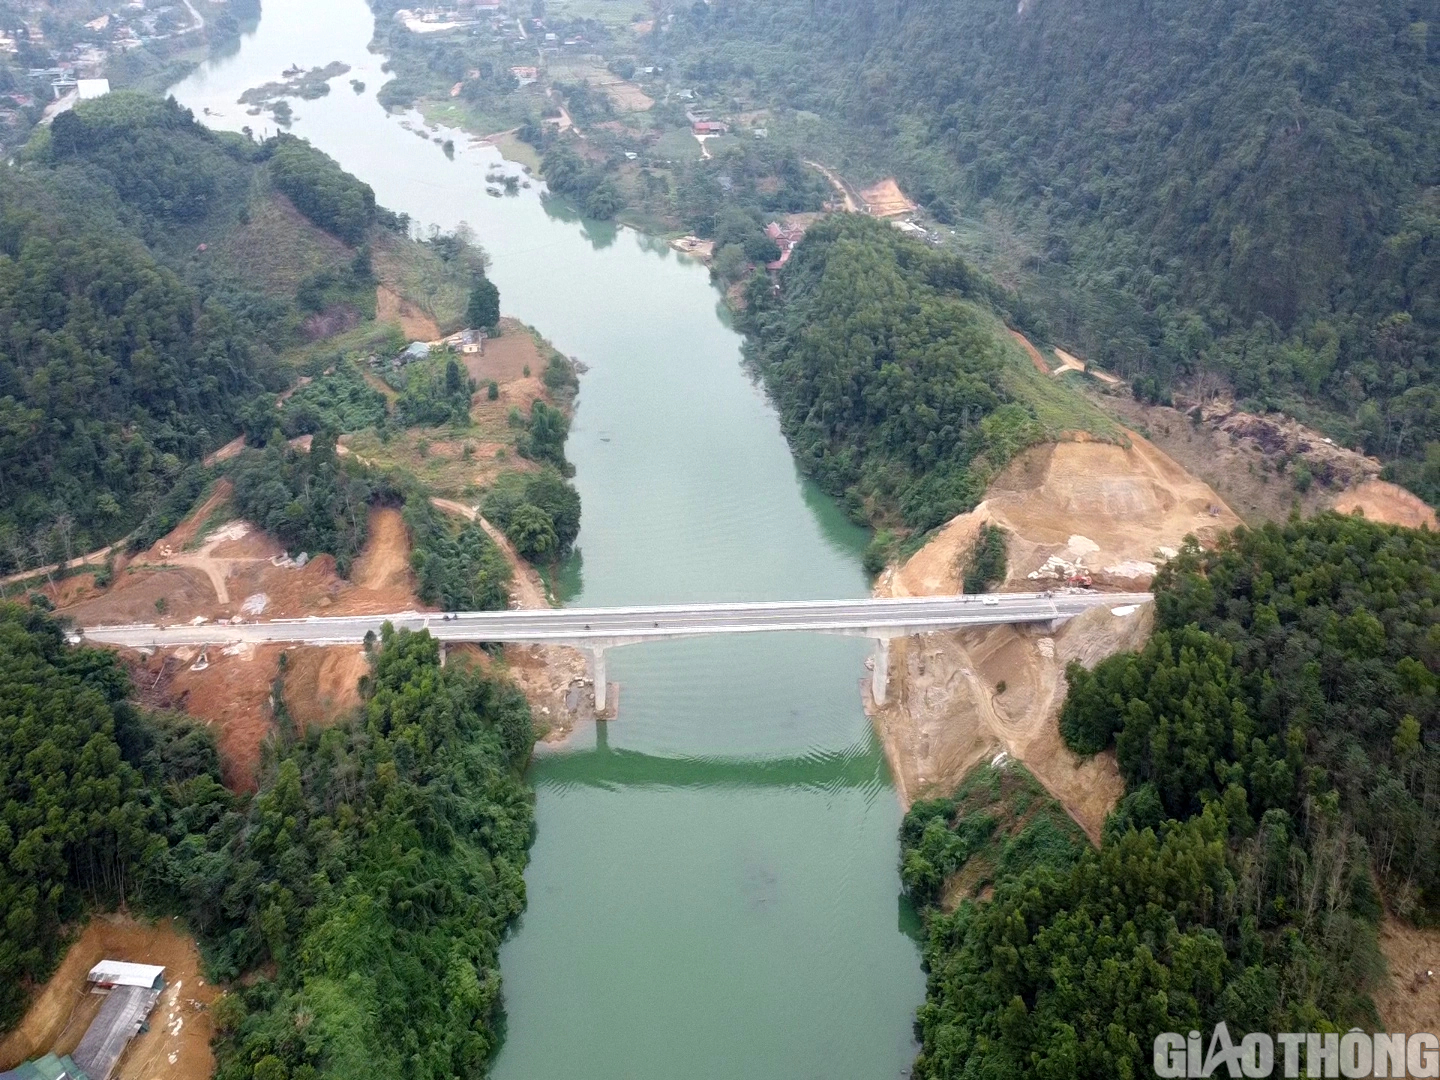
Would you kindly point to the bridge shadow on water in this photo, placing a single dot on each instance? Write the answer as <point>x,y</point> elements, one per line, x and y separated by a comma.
<point>612,769</point>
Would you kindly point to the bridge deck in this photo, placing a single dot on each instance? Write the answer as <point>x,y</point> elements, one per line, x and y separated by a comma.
<point>603,627</point>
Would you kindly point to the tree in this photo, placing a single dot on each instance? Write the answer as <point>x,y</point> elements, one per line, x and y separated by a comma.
<point>532,531</point>
<point>484,308</point>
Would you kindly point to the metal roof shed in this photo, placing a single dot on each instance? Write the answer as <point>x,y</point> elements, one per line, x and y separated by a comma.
<point>120,973</point>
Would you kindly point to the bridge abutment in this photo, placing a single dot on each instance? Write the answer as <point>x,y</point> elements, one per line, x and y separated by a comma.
<point>880,671</point>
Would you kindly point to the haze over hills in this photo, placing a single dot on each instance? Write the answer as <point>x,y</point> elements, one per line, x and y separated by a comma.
<point>1219,196</point>
<point>1238,193</point>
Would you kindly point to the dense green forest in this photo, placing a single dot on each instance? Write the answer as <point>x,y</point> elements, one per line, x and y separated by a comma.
<point>1280,741</point>
<point>882,356</point>
<point>371,877</point>
<point>321,190</point>
<point>81,813</point>
<point>457,566</point>
<point>1235,193</point>
<point>538,512</point>
<point>131,343</point>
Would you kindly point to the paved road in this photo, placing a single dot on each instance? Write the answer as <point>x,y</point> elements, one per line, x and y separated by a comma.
<point>602,627</point>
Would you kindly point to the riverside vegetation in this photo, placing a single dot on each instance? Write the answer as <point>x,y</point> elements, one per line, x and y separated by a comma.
<point>1280,741</point>
<point>132,347</point>
<point>365,887</point>
<point>1215,196</point>
<point>896,385</point>
<point>130,352</point>
<point>371,876</point>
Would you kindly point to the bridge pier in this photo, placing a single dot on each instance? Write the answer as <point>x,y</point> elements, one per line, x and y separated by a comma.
<point>597,675</point>
<point>880,671</point>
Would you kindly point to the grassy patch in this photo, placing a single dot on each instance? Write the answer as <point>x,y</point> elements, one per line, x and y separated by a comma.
<point>458,113</point>
<point>677,144</point>
<point>277,247</point>
<point>613,13</point>
<point>1058,403</point>
<point>359,343</point>
<point>519,151</point>
<point>436,456</point>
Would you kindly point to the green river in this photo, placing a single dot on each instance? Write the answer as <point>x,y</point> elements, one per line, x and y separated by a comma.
<point>713,888</point>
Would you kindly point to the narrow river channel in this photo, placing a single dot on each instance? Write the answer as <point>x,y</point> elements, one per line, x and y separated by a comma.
<point>713,889</point>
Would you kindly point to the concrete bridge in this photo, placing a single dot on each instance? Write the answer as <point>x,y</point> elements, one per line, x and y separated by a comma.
<point>595,630</point>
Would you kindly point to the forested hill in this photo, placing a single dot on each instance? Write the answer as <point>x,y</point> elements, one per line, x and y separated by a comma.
<point>1280,740</point>
<point>365,888</point>
<point>151,274</point>
<point>1231,187</point>
<point>897,385</point>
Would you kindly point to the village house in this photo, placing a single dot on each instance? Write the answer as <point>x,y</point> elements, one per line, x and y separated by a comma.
<point>525,75</point>
<point>709,127</point>
<point>785,237</point>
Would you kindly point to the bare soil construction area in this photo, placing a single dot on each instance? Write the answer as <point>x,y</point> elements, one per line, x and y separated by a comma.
<point>210,567</point>
<point>958,698</point>
<point>237,571</point>
<point>885,199</point>
<point>177,1044</point>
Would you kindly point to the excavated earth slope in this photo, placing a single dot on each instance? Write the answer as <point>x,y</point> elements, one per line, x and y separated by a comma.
<point>957,698</point>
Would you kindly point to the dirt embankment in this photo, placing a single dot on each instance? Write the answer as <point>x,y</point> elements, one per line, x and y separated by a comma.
<point>234,570</point>
<point>177,1044</point>
<point>885,199</point>
<point>1253,461</point>
<point>1409,999</point>
<point>958,698</point>
<point>211,568</point>
<point>1382,501</point>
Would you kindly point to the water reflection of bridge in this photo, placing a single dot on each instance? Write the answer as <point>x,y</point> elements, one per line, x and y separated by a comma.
<point>603,767</point>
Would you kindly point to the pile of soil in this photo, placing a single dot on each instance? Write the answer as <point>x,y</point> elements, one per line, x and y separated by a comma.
<point>958,698</point>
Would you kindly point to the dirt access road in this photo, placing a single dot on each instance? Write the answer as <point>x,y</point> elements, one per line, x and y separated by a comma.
<point>554,678</point>
<point>851,203</point>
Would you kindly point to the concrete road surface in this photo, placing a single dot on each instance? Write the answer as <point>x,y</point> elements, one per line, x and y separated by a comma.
<point>880,618</point>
